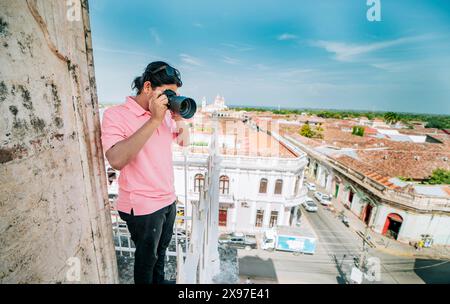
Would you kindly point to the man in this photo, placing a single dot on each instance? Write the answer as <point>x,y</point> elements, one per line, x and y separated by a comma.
<point>137,139</point>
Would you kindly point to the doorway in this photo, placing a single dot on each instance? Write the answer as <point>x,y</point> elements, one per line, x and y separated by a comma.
<point>392,226</point>
<point>367,214</point>
<point>223,217</point>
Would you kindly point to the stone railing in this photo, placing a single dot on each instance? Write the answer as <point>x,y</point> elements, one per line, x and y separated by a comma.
<point>246,162</point>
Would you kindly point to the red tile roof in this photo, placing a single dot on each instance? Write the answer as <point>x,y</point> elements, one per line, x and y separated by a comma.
<point>384,157</point>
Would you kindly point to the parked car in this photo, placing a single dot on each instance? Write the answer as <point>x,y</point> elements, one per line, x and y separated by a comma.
<point>310,186</point>
<point>307,199</point>
<point>344,220</point>
<point>323,198</point>
<point>238,240</point>
<point>181,235</point>
<point>310,206</point>
<point>112,197</point>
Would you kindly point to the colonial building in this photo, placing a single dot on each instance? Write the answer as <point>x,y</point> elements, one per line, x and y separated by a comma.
<point>367,175</point>
<point>260,184</point>
<point>218,105</point>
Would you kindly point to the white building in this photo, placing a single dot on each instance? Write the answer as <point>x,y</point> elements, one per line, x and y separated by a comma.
<point>218,105</point>
<point>256,191</point>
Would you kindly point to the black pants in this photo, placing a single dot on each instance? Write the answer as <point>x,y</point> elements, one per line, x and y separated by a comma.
<point>151,234</point>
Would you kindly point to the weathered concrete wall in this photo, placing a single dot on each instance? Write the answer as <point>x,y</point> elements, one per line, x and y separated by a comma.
<point>53,197</point>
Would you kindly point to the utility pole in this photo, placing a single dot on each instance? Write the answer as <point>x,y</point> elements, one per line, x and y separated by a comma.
<point>363,257</point>
<point>343,258</point>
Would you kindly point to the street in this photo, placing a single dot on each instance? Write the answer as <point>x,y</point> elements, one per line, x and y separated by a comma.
<point>337,247</point>
<point>341,245</point>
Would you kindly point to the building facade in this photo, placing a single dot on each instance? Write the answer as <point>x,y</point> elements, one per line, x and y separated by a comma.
<point>401,215</point>
<point>255,193</point>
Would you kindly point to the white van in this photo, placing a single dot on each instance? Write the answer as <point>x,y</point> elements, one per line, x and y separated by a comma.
<point>268,241</point>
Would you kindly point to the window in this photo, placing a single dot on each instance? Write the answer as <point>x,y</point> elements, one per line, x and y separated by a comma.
<point>259,218</point>
<point>350,196</point>
<point>278,186</point>
<point>224,185</point>
<point>199,182</point>
<point>336,192</point>
<point>263,185</point>
<point>273,219</point>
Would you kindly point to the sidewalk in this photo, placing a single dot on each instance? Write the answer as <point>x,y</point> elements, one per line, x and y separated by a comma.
<point>387,245</point>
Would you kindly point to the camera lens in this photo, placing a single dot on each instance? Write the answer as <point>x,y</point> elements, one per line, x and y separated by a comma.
<point>188,108</point>
<point>184,107</point>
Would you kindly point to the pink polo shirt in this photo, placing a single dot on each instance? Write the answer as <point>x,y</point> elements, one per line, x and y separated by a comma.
<point>146,183</point>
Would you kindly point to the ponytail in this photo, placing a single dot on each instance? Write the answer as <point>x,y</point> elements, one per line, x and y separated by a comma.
<point>138,84</point>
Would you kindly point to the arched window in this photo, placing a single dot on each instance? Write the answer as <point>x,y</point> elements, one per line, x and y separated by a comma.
<point>224,185</point>
<point>259,218</point>
<point>263,185</point>
<point>199,182</point>
<point>278,186</point>
<point>273,219</point>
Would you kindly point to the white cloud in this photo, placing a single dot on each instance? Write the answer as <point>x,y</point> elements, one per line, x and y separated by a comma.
<point>190,60</point>
<point>347,52</point>
<point>390,66</point>
<point>238,46</point>
<point>155,36</point>
<point>230,60</point>
<point>287,36</point>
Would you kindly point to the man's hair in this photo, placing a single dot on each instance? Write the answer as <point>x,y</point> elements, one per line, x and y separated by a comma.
<point>156,79</point>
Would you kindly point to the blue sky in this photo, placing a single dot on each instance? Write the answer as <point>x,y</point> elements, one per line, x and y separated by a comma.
<point>298,53</point>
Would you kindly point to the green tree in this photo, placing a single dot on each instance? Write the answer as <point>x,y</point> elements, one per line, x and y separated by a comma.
<point>391,117</point>
<point>358,131</point>
<point>319,131</point>
<point>439,177</point>
<point>306,131</point>
<point>437,124</point>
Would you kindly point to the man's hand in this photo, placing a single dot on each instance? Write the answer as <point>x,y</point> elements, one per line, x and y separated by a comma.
<point>158,106</point>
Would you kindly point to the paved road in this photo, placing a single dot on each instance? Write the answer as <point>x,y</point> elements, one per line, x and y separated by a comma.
<point>333,259</point>
<point>335,241</point>
<point>338,240</point>
<point>341,245</point>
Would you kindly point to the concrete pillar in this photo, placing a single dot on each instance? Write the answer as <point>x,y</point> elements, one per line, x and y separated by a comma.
<point>280,220</point>
<point>55,224</point>
<point>329,182</point>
